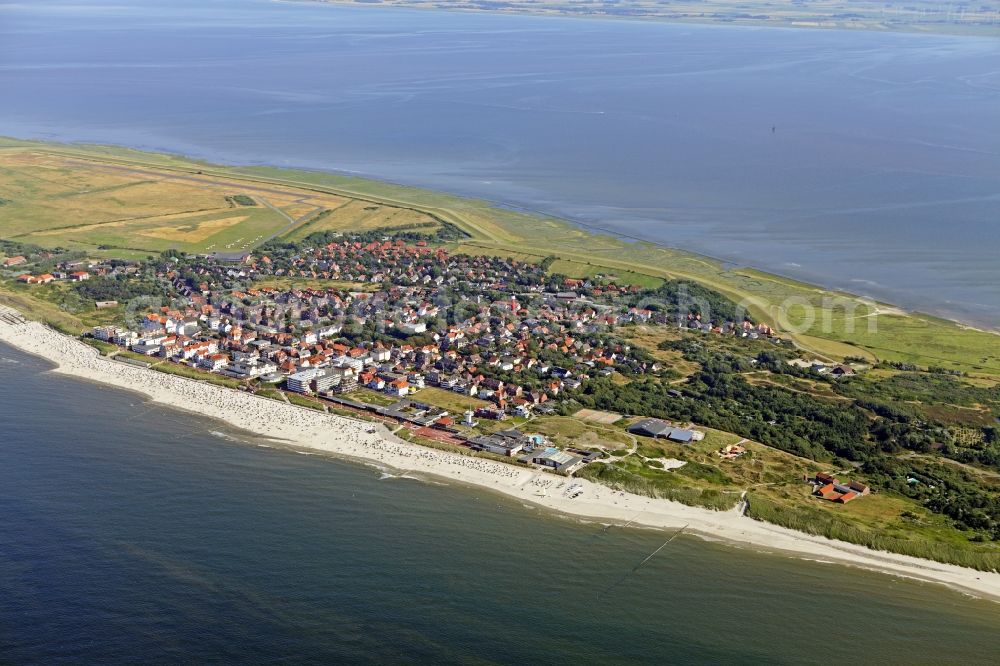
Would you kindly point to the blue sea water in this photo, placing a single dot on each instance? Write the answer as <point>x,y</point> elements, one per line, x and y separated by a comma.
<point>132,533</point>
<point>861,160</point>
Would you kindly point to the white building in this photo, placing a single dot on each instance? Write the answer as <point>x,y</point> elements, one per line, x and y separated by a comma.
<point>412,328</point>
<point>300,382</point>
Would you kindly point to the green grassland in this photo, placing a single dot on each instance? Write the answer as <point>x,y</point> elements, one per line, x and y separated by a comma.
<point>128,210</point>
<point>455,403</point>
<point>54,305</point>
<point>881,522</point>
<point>312,283</point>
<point>370,397</point>
<point>573,432</point>
<point>838,325</point>
<point>357,216</point>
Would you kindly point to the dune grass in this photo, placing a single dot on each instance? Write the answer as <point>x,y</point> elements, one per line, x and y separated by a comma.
<point>917,543</point>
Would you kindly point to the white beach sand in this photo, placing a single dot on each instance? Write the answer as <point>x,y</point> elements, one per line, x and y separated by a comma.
<point>343,437</point>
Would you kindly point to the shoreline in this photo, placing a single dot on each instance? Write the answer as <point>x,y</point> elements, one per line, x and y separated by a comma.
<point>798,23</point>
<point>886,300</point>
<point>359,441</point>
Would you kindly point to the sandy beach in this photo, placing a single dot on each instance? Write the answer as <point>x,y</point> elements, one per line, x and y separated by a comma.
<point>362,441</point>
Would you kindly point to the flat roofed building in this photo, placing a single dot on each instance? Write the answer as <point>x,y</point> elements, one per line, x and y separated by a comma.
<point>651,428</point>
<point>560,461</point>
<point>300,381</point>
<point>502,446</point>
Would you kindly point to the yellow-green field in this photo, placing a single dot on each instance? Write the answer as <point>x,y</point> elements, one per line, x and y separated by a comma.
<point>455,403</point>
<point>43,180</point>
<point>358,216</point>
<point>105,208</point>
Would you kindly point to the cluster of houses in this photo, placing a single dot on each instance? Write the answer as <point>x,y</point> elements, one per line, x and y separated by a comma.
<point>465,358</point>
<point>470,329</point>
<point>74,270</point>
<point>411,316</point>
<point>45,278</point>
<point>495,329</point>
<point>827,487</point>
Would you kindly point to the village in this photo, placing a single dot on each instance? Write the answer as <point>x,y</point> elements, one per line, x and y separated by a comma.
<point>460,350</point>
<point>390,328</point>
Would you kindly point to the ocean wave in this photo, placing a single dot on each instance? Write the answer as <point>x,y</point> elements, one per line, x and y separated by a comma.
<point>222,435</point>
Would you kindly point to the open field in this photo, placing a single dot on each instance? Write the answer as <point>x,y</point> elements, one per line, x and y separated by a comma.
<point>357,216</point>
<point>588,270</point>
<point>455,403</point>
<point>55,199</point>
<point>597,416</point>
<point>914,16</point>
<point>569,431</point>
<point>312,283</point>
<point>827,324</point>
<point>650,338</point>
<point>370,397</point>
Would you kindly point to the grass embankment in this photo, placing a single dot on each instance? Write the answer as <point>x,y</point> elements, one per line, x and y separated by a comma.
<point>455,403</point>
<point>105,348</point>
<point>41,310</point>
<point>632,476</point>
<point>919,544</point>
<point>303,401</point>
<point>171,368</point>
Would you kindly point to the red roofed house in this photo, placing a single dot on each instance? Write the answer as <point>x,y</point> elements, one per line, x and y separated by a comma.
<point>398,387</point>
<point>827,492</point>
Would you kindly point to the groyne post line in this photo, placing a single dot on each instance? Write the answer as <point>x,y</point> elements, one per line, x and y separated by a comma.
<point>639,566</point>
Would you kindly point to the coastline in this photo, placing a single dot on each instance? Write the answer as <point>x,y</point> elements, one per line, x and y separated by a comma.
<point>795,23</point>
<point>361,441</point>
<point>224,167</point>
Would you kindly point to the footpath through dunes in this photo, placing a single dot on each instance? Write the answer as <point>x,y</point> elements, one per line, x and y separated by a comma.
<point>299,427</point>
